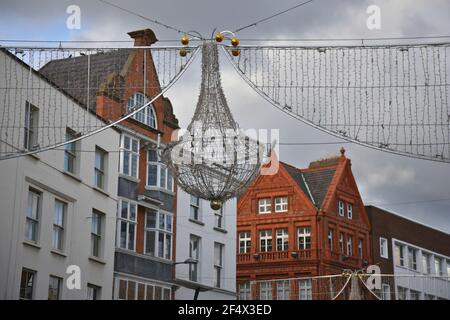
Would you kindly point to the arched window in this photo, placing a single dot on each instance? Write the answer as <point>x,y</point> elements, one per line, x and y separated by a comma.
<point>147,115</point>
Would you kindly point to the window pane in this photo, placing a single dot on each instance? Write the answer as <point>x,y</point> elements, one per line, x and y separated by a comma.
<point>152,174</point>
<point>134,160</point>
<point>131,228</point>
<point>160,244</point>
<point>152,156</point>
<point>151,220</point>
<point>168,246</point>
<point>150,243</point>
<point>162,177</point>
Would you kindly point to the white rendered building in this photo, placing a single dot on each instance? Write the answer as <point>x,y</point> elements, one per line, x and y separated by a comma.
<point>58,207</point>
<point>208,239</point>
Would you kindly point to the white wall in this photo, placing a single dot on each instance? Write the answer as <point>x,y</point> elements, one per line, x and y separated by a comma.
<point>185,227</point>
<point>418,280</point>
<point>45,172</point>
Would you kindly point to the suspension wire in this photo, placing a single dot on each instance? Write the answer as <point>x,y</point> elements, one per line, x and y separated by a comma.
<point>149,19</point>
<point>272,16</point>
<point>343,288</point>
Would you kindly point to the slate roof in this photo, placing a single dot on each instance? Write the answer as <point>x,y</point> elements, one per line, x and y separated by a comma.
<point>71,74</point>
<point>314,184</point>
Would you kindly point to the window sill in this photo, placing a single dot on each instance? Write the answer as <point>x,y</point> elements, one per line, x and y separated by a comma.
<point>59,253</point>
<point>130,178</point>
<point>31,244</point>
<point>71,175</point>
<point>220,230</point>
<point>103,192</point>
<point>155,188</point>
<point>197,222</point>
<point>96,259</point>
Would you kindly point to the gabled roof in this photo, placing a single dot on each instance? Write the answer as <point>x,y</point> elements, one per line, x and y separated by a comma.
<point>314,183</point>
<point>71,74</point>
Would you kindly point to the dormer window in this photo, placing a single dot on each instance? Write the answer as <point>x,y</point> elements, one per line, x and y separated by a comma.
<point>147,115</point>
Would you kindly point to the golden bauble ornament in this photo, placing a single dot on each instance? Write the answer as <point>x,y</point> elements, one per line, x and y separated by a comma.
<point>183,52</point>
<point>185,40</point>
<point>216,204</point>
<point>235,52</point>
<point>234,42</point>
<point>219,37</point>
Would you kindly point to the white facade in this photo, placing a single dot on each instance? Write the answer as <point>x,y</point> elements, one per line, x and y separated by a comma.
<point>52,218</point>
<point>420,274</point>
<point>210,240</point>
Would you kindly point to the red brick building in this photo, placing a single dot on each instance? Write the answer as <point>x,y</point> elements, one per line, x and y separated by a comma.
<point>300,223</point>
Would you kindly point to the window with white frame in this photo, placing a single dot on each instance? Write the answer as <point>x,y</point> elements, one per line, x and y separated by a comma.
<point>93,292</point>
<point>265,240</point>
<point>33,215</point>
<point>70,152</point>
<point>399,255</point>
<point>360,248</point>
<point>304,238</point>
<point>158,175</point>
<point>59,218</point>
<point>264,205</point>
<point>412,258</point>
<point>349,246</point>
<point>349,211</point>
<point>100,168</point>
<point>265,290</point>
<point>158,234</point>
<point>31,126</point>
<point>282,239</point>
<point>244,242</point>
<point>341,208</point>
<point>402,293</point>
<point>27,282</point>
<point>330,239</point>
<point>96,233</point>
<point>281,204</point>
<point>126,228</point>
<point>283,290</point>
<point>195,208</point>
<point>54,288</point>
<point>305,289</point>
<point>385,291</point>
<point>438,266</point>
<point>136,290</point>
<point>218,264</point>
<point>147,115</point>
<point>194,254</point>
<point>384,248</point>
<point>245,291</point>
<point>129,156</point>
<point>448,269</point>
<point>341,242</point>
<point>218,218</point>
<point>426,266</point>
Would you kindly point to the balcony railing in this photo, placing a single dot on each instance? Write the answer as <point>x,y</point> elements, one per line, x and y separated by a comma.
<point>277,256</point>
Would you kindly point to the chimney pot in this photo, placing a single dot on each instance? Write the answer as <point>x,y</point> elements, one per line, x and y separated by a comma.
<point>144,37</point>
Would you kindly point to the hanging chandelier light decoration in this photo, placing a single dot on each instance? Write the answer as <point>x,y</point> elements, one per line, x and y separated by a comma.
<point>213,159</point>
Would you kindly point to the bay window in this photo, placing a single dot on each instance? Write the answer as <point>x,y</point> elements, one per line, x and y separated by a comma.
<point>158,175</point>
<point>127,225</point>
<point>158,234</point>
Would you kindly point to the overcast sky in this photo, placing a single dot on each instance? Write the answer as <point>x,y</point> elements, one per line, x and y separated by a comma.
<point>384,179</point>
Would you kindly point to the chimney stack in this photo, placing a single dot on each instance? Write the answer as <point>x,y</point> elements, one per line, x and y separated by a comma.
<point>144,37</point>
